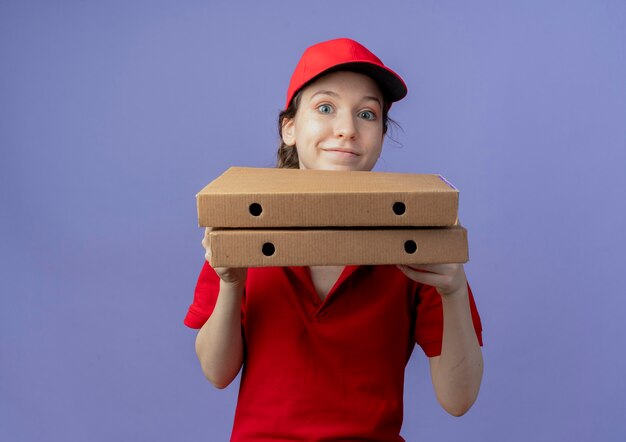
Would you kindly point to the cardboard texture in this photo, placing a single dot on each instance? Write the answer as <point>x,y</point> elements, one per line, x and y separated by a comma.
<point>260,198</point>
<point>307,247</point>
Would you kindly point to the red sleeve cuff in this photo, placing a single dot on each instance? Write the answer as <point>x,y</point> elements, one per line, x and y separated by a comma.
<point>434,348</point>
<point>194,319</point>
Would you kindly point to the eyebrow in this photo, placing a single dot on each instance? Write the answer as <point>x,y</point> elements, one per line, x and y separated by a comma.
<point>335,95</point>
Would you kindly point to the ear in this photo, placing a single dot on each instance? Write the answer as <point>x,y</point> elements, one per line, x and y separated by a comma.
<point>288,132</point>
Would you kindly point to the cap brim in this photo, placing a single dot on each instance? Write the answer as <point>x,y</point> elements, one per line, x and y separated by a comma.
<point>391,84</point>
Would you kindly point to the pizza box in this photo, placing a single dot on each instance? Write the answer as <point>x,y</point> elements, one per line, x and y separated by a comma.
<point>272,197</point>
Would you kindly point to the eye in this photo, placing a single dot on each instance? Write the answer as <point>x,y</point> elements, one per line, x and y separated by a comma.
<point>325,108</point>
<point>367,115</point>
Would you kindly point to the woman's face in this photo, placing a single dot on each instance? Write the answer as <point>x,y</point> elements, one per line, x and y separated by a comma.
<point>338,124</point>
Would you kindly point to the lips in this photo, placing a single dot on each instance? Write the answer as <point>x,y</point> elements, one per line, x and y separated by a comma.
<point>341,150</point>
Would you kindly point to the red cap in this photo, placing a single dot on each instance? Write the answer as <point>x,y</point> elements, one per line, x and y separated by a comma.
<point>344,54</point>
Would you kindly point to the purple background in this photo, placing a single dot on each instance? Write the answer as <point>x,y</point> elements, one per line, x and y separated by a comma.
<point>114,114</point>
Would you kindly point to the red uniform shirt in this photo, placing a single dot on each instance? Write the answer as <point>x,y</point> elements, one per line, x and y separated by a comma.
<point>332,369</point>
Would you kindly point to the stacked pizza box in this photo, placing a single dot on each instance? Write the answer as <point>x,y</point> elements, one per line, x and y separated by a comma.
<point>290,217</point>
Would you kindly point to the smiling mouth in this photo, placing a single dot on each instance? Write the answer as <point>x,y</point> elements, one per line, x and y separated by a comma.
<point>345,152</point>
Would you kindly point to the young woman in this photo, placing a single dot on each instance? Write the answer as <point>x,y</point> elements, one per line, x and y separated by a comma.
<point>324,349</point>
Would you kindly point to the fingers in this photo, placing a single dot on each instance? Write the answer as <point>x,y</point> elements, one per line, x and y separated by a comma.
<point>421,276</point>
<point>206,243</point>
<point>205,238</point>
<point>232,275</point>
<point>433,268</point>
<point>447,278</point>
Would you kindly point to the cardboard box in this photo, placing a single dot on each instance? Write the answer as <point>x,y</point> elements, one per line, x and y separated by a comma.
<point>305,247</point>
<point>258,198</point>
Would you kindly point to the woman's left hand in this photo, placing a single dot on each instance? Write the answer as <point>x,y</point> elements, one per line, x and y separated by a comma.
<point>448,279</point>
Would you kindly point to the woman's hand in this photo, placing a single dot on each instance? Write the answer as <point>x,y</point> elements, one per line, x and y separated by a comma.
<point>229,275</point>
<point>448,279</point>
<point>457,372</point>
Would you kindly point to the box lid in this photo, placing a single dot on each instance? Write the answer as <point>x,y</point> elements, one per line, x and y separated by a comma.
<point>273,197</point>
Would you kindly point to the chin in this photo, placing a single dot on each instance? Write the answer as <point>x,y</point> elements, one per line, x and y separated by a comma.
<point>345,167</point>
<point>338,165</point>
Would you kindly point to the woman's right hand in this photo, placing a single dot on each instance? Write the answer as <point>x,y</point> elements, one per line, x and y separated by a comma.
<point>229,275</point>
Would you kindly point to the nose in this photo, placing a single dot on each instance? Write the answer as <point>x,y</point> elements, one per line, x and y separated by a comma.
<point>345,126</point>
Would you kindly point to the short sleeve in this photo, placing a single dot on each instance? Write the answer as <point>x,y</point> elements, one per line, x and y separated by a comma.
<point>204,298</point>
<point>429,320</point>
